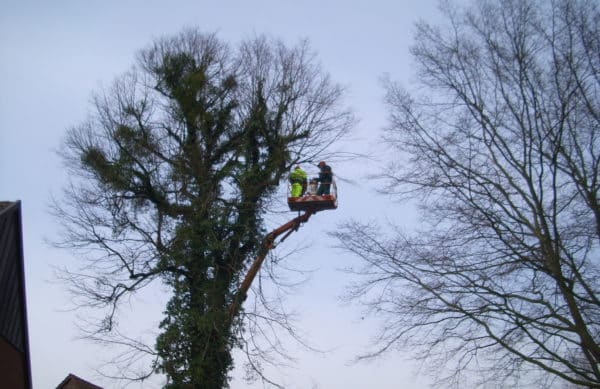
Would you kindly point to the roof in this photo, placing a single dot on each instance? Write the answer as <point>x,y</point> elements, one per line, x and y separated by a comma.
<point>13,316</point>
<point>74,382</point>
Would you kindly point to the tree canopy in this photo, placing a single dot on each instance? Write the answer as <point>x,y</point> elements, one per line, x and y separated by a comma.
<point>499,146</point>
<point>172,176</point>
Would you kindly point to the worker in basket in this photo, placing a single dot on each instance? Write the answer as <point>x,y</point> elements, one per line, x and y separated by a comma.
<point>325,178</point>
<point>298,180</point>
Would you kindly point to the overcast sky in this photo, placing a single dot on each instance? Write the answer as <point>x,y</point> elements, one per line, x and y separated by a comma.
<point>54,54</point>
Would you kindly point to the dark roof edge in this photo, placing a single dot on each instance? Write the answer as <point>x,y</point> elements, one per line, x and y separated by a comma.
<point>72,376</point>
<point>5,206</point>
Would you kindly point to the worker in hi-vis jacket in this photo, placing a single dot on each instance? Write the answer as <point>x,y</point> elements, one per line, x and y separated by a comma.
<point>298,180</point>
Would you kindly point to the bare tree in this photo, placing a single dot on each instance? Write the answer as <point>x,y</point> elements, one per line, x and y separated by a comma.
<point>173,175</point>
<point>500,146</point>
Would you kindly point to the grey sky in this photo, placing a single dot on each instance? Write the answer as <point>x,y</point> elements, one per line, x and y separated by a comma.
<point>55,53</point>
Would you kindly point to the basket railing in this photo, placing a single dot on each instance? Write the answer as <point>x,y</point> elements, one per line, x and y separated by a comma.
<point>312,188</point>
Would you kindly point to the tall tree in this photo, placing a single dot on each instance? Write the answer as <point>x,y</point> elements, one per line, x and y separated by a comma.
<point>500,147</point>
<point>174,173</point>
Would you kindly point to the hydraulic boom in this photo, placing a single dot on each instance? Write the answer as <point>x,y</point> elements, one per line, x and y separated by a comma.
<point>267,244</point>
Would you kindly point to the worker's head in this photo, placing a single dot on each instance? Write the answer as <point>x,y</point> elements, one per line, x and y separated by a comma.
<point>298,167</point>
<point>321,164</point>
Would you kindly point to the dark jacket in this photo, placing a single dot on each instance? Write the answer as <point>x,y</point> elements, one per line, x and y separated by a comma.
<point>325,175</point>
